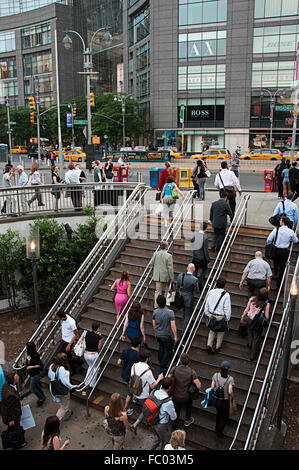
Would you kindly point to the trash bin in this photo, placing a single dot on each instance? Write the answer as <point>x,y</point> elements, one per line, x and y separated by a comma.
<point>268,177</point>
<point>176,175</point>
<point>154,177</point>
<point>184,177</point>
<point>3,153</point>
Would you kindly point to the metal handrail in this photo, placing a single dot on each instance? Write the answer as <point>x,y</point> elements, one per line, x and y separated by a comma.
<point>176,224</point>
<point>195,319</point>
<point>71,297</point>
<point>273,357</point>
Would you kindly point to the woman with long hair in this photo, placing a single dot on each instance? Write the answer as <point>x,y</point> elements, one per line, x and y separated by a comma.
<point>134,323</point>
<point>93,342</point>
<point>34,366</point>
<point>177,441</point>
<point>168,171</point>
<point>56,191</point>
<point>123,291</point>
<point>226,382</point>
<point>34,178</point>
<point>116,421</point>
<point>60,370</point>
<point>199,179</point>
<point>257,305</point>
<point>168,200</point>
<point>50,439</point>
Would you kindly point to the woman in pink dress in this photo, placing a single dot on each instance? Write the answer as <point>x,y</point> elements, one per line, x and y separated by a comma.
<point>123,292</point>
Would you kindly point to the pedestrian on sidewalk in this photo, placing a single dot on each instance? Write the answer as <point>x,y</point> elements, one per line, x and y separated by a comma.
<point>11,408</point>
<point>257,305</point>
<point>223,380</point>
<point>34,366</point>
<point>228,180</point>
<point>217,309</point>
<point>8,174</point>
<point>128,358</point>
<point>56,192</point>
<point>72,180</point>
<point>257,274</point>
<point>289,209</point>
<point>123,292</point>
<point>168,171</point>
<point>168,199</point>
<point>50,439</point>
<point>278,173</point>
<point>218,216</point>
<point>199,178</point>
<point>165,331</point>
<point>116,422</point>
<point>163,274</point>
<point>183,376</point>
<point>187,285</point>
<point>200,255</point>
<point>286,179</point>
<point>35,181</point>
<point>293,176</point>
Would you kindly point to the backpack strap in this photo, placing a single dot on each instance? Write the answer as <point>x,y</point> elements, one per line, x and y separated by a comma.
<point>142,372</point>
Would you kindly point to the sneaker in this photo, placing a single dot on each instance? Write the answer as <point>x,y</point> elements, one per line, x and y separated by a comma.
<point>188,422</point>
<point>217,350</point>
<point>210,350</point>
<point>130,411</point>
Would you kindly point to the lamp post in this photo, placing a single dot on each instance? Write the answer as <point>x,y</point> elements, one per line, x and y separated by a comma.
<point>272,96</point>
<point>87,54</point>
<point>33,253</point>
<point>36,92</point>
<point>296,101</point>
<point>122,98</point>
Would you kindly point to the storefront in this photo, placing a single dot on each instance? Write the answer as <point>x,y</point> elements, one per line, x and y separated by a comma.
<point>195,140</point>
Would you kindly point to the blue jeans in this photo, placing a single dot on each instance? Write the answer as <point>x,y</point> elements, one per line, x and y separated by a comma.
<point>36,388</point>
<point>164,353</point>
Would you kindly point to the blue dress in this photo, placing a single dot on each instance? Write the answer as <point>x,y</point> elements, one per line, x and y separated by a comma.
<point>133,328</point>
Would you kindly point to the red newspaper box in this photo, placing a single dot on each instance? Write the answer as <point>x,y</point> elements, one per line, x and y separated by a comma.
<point>124,174</point>
<point>268,177</point>
<point>116,173</point>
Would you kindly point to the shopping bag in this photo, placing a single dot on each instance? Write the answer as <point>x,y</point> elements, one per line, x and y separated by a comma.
<point>206,401</point>
<point>27,420</point>
<point>159,209</point>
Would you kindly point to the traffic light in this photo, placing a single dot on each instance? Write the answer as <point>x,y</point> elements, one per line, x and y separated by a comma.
<point>32,118</point>
<point>91,99</point>
<point>74,111</point>
<point>31,102</point>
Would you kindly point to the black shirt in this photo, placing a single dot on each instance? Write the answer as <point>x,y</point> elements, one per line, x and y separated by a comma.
<point>129,357</point>
<point>92,340</point>
<point>34,361</point>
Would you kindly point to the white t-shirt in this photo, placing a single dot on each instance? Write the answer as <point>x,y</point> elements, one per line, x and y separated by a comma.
<point>68,327</point>
<point>147,379</point>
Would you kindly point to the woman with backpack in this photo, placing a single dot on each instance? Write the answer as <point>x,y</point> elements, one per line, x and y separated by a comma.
<point>256,307</point>
<point>169,195</point>
<point>116,421</point>
<point>222,384</point>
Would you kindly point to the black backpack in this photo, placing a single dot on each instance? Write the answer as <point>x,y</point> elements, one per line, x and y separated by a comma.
<point>217,399</point>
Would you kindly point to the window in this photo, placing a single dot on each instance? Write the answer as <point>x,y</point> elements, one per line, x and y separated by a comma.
<point>139,26</point>
<point>273,74</point>
<point>208,44</point>
<point>37,63</point>
<point>13,7</point>
<point>9,89</point>
<point>202,77</point>
<point>45,85</point>
<point>277,39</point>
<point>202,12</point>
<point>8,68</point>
<point>275,8</point>
<point>143,56</point>
<point>132,2</point>
<point>143,85</point>
<point>36,36</point>
<point>7,41</point>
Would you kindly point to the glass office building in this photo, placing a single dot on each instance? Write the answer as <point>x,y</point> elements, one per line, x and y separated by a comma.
<point>214,58</point>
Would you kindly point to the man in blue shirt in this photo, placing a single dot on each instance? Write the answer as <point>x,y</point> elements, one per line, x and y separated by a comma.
<point>167,414</point>
<point>284,237</point>
<point>128,357</point>
<point>23,181</point>
<point>289,208</point>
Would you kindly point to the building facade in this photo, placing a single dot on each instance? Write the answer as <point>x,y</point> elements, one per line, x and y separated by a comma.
<point>222,60</point>
<point>27,48</point>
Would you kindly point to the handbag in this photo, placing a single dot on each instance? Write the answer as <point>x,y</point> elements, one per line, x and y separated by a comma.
<point>232,406</point>
<point>158,196</point>
<point>207,399</point>
<point>13,437</point>
<point>270,250</point>
<point>217,325</point>
<point>57,387</point>
<point>208,173</point>
<point>260,321</point>
<point>275,219</point>
<point>193,391</point>
<point>79,349</point>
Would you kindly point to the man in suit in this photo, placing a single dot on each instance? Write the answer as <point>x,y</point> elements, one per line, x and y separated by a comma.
<point>162,264</point>
<point>293,176</point>
<point>200,257</point>
<point>189,284</point>
<point>11,408</point>
<point>218,216</point>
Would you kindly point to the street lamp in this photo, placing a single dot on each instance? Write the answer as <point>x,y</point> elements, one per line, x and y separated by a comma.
<point>122,98</point>
<point>36,92</point>
<point>87,54</point>
<point>272,96</point>
<point>33,253</point>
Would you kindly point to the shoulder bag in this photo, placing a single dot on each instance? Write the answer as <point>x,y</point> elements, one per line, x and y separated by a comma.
<point>230,189</point>
<point>275,219</point>
<point>217,325</point>
<point>178,299</point>
<point>57,387</point>
<point>270,249</point>
<point>260,321</point>
<point>79,349</point>
<point>194,393</point>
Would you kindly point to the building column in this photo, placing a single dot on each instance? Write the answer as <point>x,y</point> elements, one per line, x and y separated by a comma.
<point>189,143</point>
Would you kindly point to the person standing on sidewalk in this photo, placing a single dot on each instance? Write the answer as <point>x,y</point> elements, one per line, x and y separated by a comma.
<point>35,181</point>
<point>228,180</point>
<point>165,331</point>
<point>257,274</point>
<point>23,181</point>
<point>163,273</point>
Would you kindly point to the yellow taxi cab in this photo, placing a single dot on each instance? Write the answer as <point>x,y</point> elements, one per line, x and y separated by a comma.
<point>287,155</point>
<point>213,154</point>
<point>172,152</point>
<point>74,156</point>
<point>19,149</point>
<point>262,154</point>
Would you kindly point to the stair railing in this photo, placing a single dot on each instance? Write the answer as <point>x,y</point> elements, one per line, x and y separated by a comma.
<point>258,416</point>
<point>108,349</point>
<point>198,311</point>
<point>70,299</point>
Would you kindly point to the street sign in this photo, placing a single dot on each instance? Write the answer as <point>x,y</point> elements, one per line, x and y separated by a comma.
<point>80,122</point>
<point>69,120</point>
<point>11,123</point>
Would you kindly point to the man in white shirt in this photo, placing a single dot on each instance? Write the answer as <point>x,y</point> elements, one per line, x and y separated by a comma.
<point>72,178</point>
<point>218,305</point>
<point>69,335</point>
<point>227,179</point>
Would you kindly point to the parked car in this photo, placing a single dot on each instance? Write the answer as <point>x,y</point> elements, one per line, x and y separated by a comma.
<point>262,154</point>
<point>19,149</point>
<point>74,156</point>
<point>213,154</point>
<point>287,155</point>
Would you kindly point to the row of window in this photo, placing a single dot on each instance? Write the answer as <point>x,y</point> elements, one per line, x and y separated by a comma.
<point>143,56</point>
<point>202,12</point>
<point>14,7</point>
<point>31,37</point>
<point>273,74</point>
<point>275,8</point>
<point>201,77</point>
<point>139,26</point>
<point>33,64</point>
<point>275,39</point>
<point>208,44</point>
<point>143,85</point>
